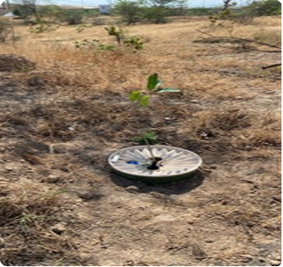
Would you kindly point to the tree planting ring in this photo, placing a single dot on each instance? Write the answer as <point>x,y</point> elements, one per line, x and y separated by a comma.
<point>170,164</point>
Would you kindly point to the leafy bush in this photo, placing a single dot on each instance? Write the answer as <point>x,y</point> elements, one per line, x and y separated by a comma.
<point>24,11</point>
<point>265,8</point>
<point>154,11</point>
<point>94,44</point>
<point>129,11</point>
<point>156,14</point>
<point>33,15</point>
<point>117,32</point>
<point>134,42</point>
<point>122,39</point>
<point>73,17</point>
<point>225,14</point>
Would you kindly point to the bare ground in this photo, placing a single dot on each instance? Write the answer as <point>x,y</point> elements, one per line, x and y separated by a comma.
<point>65,206</point>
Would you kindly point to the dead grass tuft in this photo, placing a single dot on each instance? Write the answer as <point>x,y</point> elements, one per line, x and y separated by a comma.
<point>27,209</point>
<point>26,197</point>
<point>224,120</point>
<point>269,37</point>
<point>260,138</point>
<point>265,132</point>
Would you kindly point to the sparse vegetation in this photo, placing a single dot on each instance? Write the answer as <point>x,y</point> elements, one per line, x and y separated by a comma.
<point>154,11</point>
<point>150,137</point>
<point>224,14</point>
<point>62,115</point>
<point>94,45</point>
<point>73,17</point>
<point>6,31</point>
<point>265,8</point>
<point>129,11</point>
<point>122,40</point>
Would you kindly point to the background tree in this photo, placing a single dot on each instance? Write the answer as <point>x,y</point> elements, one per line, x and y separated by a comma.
<point>154,11</point>
<point>265,8</point>
<point>24,9</point>
<point>130,12</point>
<point>157,11</point>
<point>73,16</point>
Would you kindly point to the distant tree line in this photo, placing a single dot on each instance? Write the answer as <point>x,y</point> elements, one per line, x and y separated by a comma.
<point>33,14</point>
<point>139,11</point>
<point>157,11</point>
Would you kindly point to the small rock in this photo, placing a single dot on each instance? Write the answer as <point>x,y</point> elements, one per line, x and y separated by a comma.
<point>132,189</point>
<point>59,228</point>
<point>2,242</point>
<point>88,194</point>
<point>209,241</point>
<point>257,262</point>
<point>10,168</point>
<point>213,167</point>
<point>169,118</point>
<point>52,178</point>
<point>275,262</point>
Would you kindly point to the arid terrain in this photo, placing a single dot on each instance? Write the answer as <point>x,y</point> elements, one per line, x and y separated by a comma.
<point>60,202</point>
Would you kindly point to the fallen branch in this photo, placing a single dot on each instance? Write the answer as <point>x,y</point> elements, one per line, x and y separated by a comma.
<point>241,40</point>
<point>271,66</point>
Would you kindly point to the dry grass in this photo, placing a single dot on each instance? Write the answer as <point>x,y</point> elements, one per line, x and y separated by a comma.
<point>171,48</point>
<point>28,211</point>
<point>72,111</point>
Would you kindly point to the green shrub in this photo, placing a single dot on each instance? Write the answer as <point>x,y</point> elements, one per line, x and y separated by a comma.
<point>73,17</point>
<point>123,39</point>
<point>94,44</point>
<point>130,12</point>
<point>265,8</point>
<point>148,137</point>
<point>155,14</point>
<point>24,11</point>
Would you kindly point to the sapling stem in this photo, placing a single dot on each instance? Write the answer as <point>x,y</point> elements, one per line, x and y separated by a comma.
<point>149,149</point>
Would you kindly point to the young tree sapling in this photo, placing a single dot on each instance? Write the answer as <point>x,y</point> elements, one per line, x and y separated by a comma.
<point>143,98</point>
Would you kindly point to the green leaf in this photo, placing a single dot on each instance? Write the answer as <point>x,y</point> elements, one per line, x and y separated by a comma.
<point>144,100</point>
<point>167,90</point>
<point>153,82</point>
<point>135,95</point>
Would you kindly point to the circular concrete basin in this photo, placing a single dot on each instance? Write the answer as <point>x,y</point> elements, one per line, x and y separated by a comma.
<point>170,164</point>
